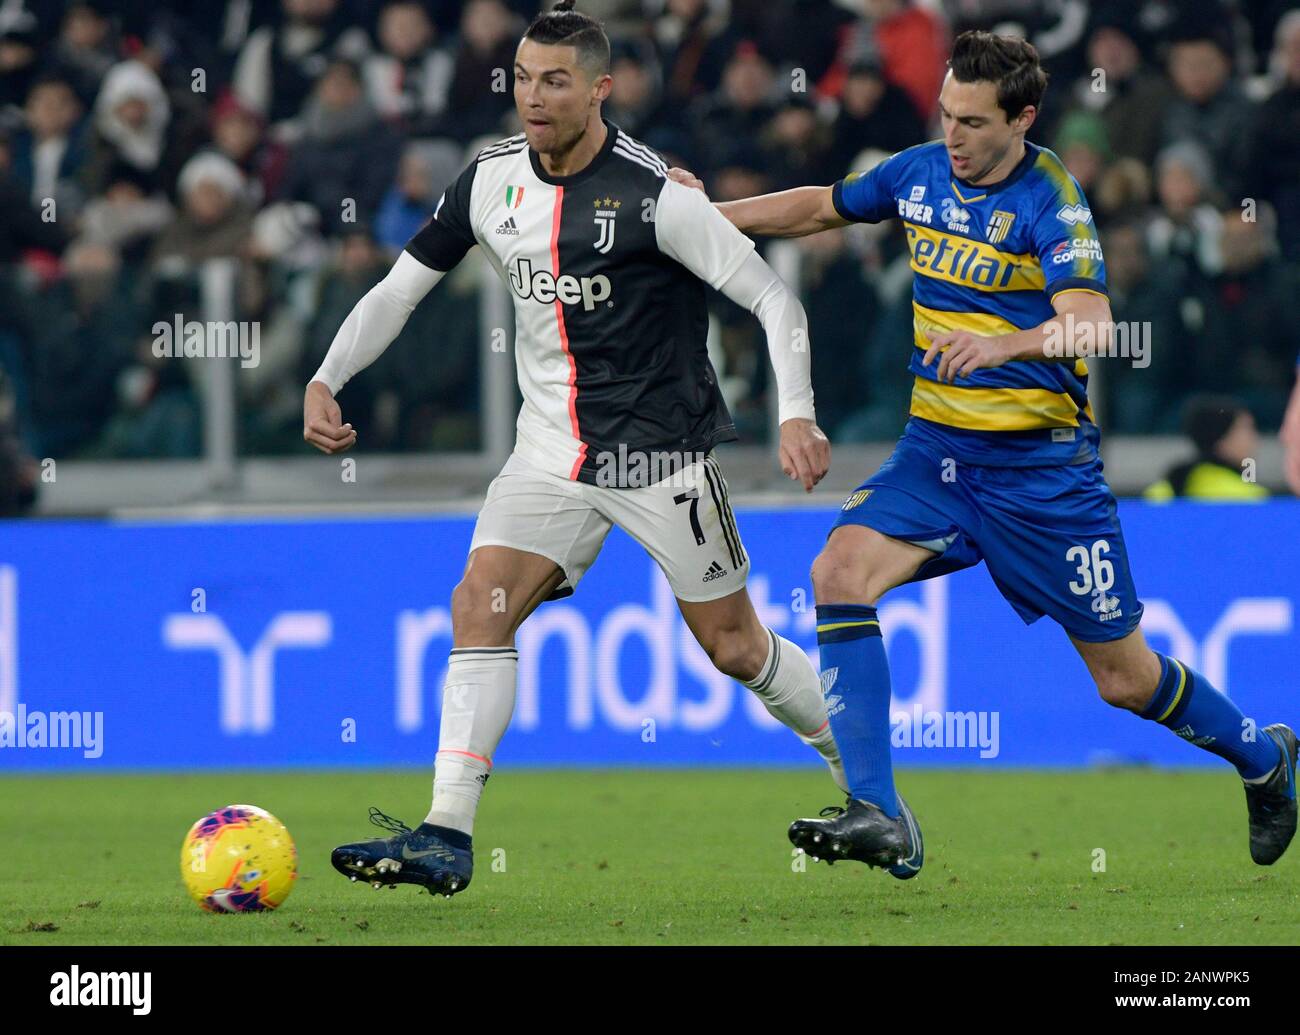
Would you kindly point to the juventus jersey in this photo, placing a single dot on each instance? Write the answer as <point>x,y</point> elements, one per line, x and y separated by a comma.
<point>607,270</point>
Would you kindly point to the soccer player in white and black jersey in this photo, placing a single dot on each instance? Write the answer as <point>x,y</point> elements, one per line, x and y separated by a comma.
<point>607,262</point>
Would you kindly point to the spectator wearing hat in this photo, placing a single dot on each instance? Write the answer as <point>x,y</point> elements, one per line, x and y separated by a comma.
<point>215,216</point>
<point>131,122</point>
<point>1186,229</point>
<point>240,134</point>
<point>1083,146</point>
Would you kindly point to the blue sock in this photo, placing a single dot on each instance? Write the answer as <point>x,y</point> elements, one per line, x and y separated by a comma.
<point>855,671</point>
<point>1188,704</point>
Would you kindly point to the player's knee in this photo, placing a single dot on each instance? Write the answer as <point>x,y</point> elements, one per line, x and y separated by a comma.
<point>734,654</point>
<point>1120,689</point>
<point>840,577</point>
<point>479,608</point>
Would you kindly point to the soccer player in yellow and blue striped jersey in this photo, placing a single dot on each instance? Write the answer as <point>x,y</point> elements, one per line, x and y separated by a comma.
<point>998,461</point>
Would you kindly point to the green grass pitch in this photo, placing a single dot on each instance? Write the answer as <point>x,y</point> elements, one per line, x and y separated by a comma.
<point>667,857</point>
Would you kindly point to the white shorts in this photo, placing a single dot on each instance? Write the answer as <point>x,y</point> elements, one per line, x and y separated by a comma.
<point>684,522</point>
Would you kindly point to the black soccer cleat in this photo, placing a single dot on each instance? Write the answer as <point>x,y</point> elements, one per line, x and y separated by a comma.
<point>1272,804</point>
<point>910,865</point>
<point>863,833</point>
<point>430,860</point>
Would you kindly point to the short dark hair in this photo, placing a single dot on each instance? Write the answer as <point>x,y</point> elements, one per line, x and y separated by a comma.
<point>1207,418</point>
<point>562,26</point>
<point>1009,62</point>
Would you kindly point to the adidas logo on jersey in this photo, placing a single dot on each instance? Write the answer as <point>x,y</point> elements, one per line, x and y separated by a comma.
<point>508,228</point>
<point>715,571</point>
<point>545,287</point>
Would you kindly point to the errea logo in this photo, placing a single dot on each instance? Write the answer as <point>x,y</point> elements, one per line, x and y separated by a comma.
<point>545,287</point>
<point>955,216</point>
<point>1072,215</point>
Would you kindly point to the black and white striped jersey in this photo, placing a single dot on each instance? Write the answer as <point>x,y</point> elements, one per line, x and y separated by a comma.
<point>607,270</point>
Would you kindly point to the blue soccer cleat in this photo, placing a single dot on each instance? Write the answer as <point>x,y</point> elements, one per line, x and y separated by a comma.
<point>1272,804</point>
<point>442,862</point>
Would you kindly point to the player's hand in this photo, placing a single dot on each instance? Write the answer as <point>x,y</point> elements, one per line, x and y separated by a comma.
<point>686,178</point>
<point>805,452</point>
<point>322,421</point>
<point>962,353</point>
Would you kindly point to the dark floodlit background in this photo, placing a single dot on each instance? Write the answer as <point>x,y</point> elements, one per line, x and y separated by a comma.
<point>264,161</point>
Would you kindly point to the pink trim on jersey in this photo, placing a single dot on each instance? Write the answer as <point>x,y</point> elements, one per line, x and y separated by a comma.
<point>452,751</point>
<point>564,334</point>
<point>818,729</point>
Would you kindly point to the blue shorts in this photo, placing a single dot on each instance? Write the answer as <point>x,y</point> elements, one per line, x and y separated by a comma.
<point>1050,536</point>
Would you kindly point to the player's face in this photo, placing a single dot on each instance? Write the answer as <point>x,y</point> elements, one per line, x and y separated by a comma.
<point>553,95</point>
<point>981,140</point>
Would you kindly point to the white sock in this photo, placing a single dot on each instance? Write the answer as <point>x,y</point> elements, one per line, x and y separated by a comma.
<point>477,701</point>
<point>791,691</point>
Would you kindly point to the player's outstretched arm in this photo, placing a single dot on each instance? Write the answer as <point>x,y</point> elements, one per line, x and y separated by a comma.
<point>788,213</point>
<point>369,329</point>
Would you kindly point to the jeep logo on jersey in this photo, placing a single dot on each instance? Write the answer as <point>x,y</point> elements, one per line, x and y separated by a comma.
<point>605,224</point>
<point>546,288</point>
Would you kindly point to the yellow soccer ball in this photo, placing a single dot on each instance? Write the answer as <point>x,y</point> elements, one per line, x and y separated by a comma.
<point>239,859</point>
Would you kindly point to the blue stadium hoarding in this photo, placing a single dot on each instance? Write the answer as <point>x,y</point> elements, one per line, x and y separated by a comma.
<point>281,643</point>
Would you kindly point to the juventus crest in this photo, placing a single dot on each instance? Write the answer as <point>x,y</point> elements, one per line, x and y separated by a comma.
<point>606,211</point>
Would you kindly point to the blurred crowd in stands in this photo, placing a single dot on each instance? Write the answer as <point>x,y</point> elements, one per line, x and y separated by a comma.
<point>308,139</point>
